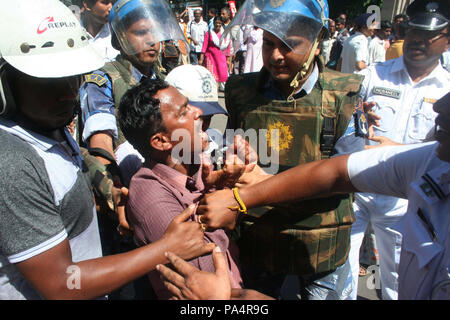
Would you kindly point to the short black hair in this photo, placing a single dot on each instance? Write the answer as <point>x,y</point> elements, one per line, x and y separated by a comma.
<point>339,20</point>
<point>139,115</point>
<point>213,11</point>
<point>227,10</point>
<point>404,16</point>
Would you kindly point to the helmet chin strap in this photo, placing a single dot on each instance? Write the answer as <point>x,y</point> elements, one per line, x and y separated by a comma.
<point>301,74</point>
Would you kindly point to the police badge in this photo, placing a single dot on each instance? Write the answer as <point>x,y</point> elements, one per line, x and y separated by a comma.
<point>361,123</point>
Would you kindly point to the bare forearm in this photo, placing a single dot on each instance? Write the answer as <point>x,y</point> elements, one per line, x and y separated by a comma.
<point>103,275</point>
<point>55,276</point>
<point>312,180</point>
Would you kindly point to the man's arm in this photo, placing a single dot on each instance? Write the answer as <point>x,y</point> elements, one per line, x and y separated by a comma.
<point>48,271</point>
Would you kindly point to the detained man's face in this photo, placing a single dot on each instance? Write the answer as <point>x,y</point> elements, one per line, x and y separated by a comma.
<point>140,37</point>
<point>182,119</point>
<point>282,62</point>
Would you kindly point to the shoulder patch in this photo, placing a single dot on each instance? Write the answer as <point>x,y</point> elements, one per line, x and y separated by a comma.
<point>95,78</point>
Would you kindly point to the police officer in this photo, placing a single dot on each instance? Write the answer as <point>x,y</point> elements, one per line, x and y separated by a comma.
<point>403,91</point>
<point>139,26</point>
<point>311,107</point>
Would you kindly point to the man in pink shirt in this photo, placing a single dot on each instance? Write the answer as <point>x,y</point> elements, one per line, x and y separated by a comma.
<point>153,117</point>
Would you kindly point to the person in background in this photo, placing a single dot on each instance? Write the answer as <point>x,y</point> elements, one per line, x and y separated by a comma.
<point>195,33</point>
<point>377,48</point>
<point>96,21</point>
<point>239,58</point>
<point>253,38</point>
<point>396,48</point>
<point>341,35</point>
<point>225,14</point>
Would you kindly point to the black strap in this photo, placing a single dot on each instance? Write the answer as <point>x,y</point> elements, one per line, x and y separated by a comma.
<point>100,152</point>
<point>327,137</point>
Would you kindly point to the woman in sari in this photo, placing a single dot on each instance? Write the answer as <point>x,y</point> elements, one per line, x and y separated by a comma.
<point>214,51</point>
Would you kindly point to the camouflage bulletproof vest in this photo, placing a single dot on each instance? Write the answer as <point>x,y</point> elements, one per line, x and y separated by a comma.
<point>310,236</point>
<point>121,77</point>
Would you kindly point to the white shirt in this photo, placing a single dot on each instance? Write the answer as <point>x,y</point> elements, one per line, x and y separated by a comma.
<point>446,60</point>
<point>197,32</point>
<point>355,49</point>
<point>406,108</point>
<point>102,43</point>
<point>397,171</point>
<point>377,52</point>
<point>325,47</point>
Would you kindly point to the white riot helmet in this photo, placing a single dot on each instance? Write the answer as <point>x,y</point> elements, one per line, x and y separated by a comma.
<point>197,84</point>
<point>42,39</point>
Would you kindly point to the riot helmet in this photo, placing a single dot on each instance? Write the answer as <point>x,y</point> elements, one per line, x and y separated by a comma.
<point>156,21</point>
<point>42,39</point>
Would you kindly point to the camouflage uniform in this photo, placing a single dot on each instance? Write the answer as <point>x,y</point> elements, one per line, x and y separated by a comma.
<point>308,237</point>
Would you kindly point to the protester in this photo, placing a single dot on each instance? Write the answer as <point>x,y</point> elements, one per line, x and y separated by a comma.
<point>161,124</point>
<point>241,52</point>
<point>212,13</point>
<point>336,49</point>
<point>196,34</point>
<point>403,91</point>
<point>212,56</point>
<point>407,172</point>
<point>355,50</point>
<point>284,95</point>
<point>225,14</point>
<point>49,237</point>
<point>327,44</point>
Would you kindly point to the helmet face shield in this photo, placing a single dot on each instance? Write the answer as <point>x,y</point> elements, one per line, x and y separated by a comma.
<point>295,22</point>
<point>139,24</point>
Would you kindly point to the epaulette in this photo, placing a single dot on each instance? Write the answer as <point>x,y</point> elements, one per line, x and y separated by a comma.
<point>95,78</point>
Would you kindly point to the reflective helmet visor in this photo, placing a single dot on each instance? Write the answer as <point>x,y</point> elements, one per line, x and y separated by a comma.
<point>291,21</point>
<point>138,24</point>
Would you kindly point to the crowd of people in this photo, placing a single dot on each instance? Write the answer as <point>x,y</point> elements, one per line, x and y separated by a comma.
<point>111,172</point>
